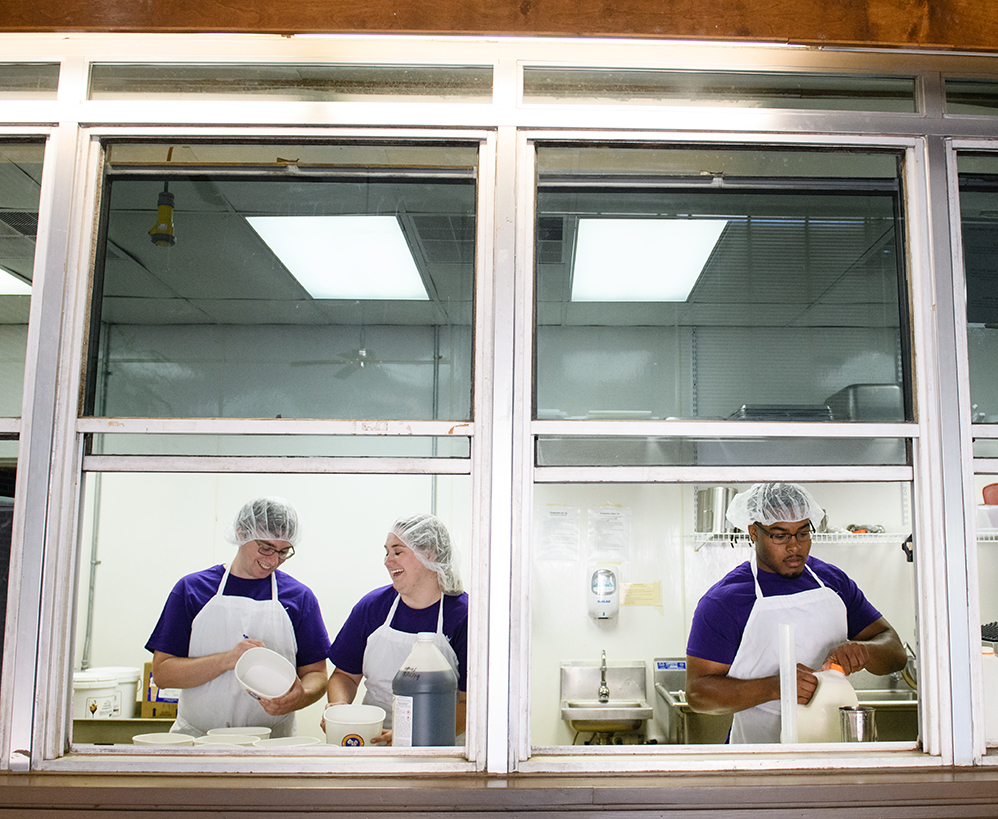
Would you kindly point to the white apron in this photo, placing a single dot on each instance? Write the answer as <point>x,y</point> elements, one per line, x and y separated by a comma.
<point>223,702</point>
<point>820,617</point>
<point>387,649</point>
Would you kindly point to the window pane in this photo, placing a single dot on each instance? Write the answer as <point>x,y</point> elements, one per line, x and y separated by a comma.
<point>303,446</point>
<point>971,96</point>
<point>20,181</point>
<point>737,89</point>
<point>554,451</point>
<point>986,498</point>
<point>309,83</point>
<point>647,536</point>
<point>978,222</point>
<point>29,81</point>
<point>272,291</point>
<point>141,533</point>
<point>719,285</point>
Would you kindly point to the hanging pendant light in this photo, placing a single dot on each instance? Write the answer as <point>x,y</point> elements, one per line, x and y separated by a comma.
<point>162,232</point>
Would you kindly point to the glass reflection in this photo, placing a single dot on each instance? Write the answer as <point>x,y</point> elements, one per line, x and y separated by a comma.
<point>200,311</point>
<point>20,181</point>
<point>796,314</point>
<point>978,225</point>
<point>649,536</point>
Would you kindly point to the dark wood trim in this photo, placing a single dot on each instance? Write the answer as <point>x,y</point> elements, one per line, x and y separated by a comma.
<point>883,793</point>
<point>962,24</point>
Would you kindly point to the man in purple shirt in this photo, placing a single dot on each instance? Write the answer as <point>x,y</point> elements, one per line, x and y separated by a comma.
<point>732,662</point>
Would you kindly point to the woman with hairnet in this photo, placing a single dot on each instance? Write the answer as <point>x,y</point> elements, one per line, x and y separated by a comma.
<point>425,595</point>
<point>733,655</point>
<point>214,616</point>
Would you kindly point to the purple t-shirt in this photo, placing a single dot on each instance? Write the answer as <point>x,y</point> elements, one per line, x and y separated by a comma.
<point>723,611</point>
<point>172,634</point>
<point>347,650</point>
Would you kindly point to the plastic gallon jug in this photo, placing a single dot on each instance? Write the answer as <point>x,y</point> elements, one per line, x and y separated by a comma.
<point>818,721</point>
<point>424,700</point>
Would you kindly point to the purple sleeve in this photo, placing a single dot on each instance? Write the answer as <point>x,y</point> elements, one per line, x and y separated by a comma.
<point>172,634</point>
<point>714,633</point>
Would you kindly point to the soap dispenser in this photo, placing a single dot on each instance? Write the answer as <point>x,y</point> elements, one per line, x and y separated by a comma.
<point>603,593</point>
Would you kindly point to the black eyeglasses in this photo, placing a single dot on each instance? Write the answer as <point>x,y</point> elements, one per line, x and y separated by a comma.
<point>282,554</point>
<point>783,538</point>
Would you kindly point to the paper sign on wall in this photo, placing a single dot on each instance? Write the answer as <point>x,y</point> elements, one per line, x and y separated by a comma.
<point>609,533</point>
<point>557,533</point>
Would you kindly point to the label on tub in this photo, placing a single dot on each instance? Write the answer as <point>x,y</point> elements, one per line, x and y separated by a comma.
<point>670,665</point>
<point>99,708</point>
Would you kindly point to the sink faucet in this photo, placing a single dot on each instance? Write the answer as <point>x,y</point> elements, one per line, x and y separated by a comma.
<point>604,692</point>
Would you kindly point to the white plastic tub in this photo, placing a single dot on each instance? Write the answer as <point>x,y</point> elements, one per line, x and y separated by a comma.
<point>164,738</point>
<point>258,731</point>
<point>126,689</point>
<point>93,695</point>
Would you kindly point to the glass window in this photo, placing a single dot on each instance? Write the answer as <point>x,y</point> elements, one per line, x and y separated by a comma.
<point>141,533</point>
<point>978,222</point>
<point>29,81</point>
<point>971,96</point>
<point>20,180</point>
<point>308,83</point>
<point>718,88</point>
<point>285,281</point>
<point>665,545</point>
<point>712,284</point>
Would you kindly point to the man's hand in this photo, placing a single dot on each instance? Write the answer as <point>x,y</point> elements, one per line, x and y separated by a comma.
<point>807,684</point>
<point>851,656</point>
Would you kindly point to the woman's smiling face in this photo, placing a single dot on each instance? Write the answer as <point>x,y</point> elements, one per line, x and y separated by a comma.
<point>404,568</point>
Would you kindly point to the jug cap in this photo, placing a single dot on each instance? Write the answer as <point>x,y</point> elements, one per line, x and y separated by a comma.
<point>836,667</point>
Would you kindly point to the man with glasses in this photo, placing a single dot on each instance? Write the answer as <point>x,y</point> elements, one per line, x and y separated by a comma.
<point>214,616</point>
<point>733,657</point>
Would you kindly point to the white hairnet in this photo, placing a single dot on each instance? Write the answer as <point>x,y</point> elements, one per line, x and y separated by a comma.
<point>265,519</point>
<point>430,541</point>
<point>769,503</point>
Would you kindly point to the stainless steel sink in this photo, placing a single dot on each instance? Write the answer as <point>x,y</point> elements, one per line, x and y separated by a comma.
<point>627,707</point>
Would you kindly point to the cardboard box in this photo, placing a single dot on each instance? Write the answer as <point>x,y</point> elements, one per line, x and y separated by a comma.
<point>157,702</point>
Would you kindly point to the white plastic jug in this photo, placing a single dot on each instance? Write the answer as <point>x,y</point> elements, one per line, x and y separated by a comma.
<point>818,721</point>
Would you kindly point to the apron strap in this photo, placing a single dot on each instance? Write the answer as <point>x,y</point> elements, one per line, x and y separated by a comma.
<point>755,577</point>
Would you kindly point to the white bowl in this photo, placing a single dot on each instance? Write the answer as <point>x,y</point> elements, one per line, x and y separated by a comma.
<point>265,673</point>
<point>163,738</point>
<point>259,731</point>
<point>287,742</point>
<point>226,739</point>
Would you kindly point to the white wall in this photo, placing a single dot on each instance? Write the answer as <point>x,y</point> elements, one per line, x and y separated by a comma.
<point>661,516</point>
<point>153,529</point>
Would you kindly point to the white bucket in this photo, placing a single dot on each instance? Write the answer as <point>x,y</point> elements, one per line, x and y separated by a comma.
<point>287,742</point>
<point>127,689</point>
<point>226,739</point>
<point>93,695</point>
<point>163,738</point>
<point>258,731</point>
<point>265,673</point>
<point>353,726</point>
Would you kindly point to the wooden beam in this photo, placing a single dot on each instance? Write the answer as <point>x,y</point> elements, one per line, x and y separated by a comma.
<point>959,24</point>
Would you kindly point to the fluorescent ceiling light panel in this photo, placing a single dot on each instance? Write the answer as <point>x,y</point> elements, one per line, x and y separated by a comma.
<point>344,257</point>
<point>641,259</point>
<point>11,285</point>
